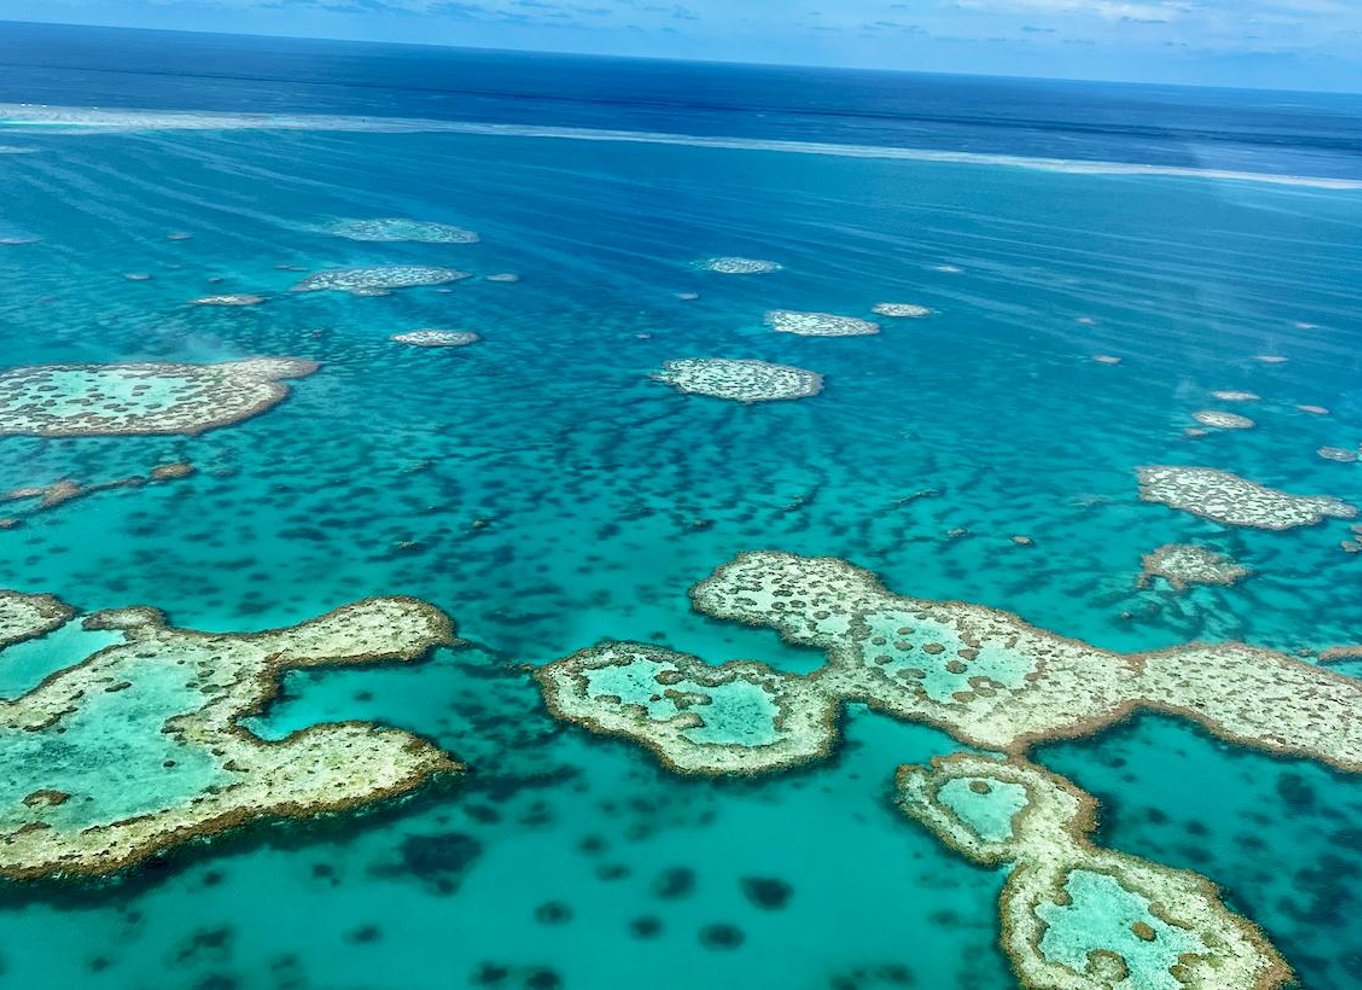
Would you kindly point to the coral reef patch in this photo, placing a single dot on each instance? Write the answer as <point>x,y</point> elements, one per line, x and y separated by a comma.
<point>140,746</point>
<point>67,400</point>
<point>739,379</point>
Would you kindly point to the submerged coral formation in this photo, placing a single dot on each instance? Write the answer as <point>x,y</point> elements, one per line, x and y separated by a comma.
<point>1075,916</point>
<point>41,498</point>
<point>1227,498</point>
<point>819,324</point>
<point>1220,420</point>
<point>739,718</point>
<point>1181,564</point>
<point>436,338</point>
<point>739,266</point>
<point>902,310</point>
<point>139,747</point>
<point>238,299</point>
<point>392,229</point>
<point>380,280</point>
<point>740,380</point>
<point>64,400</point>
<point>25,616</point>
<point>993,681</point>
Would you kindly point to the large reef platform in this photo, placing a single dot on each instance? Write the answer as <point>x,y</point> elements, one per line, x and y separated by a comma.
<point>985,676</point>
<point>72,400</point>
<point>140,747</point>
<point>1075,916</point>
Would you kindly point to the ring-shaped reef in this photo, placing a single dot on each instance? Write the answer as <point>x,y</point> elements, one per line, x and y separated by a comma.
<point>1226,498</point>
<point>140,747</point>
<point>70,400</point>
<point>739,379</point>
<point>1075,916</point>
<point>738,718</point>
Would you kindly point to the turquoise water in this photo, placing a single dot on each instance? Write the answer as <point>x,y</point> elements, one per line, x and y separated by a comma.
<point>986,805</point>
<point>539,487</point>
<point>1099,916</point>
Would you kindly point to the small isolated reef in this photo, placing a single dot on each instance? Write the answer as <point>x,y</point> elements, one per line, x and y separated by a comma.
<point>1072,916</point>
<point>76,400</point>
<point>139,747</point>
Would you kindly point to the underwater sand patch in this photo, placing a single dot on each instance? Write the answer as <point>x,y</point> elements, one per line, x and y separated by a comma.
<point>741,380</point>
<point>378,280</point>
<point>739,266</point>
<point>1065,909</point>
<point>819,324</point>
<point>67,400</point>
<point>1183,564</point>
<point>395,229</point>
<point>436,338</point>
<point>190,770</point>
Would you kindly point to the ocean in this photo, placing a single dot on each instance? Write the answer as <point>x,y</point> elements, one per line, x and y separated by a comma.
<point>1096,260</point>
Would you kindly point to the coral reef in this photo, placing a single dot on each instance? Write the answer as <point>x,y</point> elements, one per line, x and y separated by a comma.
<point>819,324</point>
<point>65,400</point>
<point>239,299</point>
<point>1220,420</point>
<point>25,616</point>
<point>739,266</point>
<point>378,281</point>
<point>902,310</point>
<point>41,498</point>
<point>392,229</point>
<point>991,680</point>
<point>436,338</point>
<point>1227,498</point>
<point>740,380</point>
<point>1181,564</point>
<point>140,746</point>
<point>1074,916</point>
<point>739,718</point>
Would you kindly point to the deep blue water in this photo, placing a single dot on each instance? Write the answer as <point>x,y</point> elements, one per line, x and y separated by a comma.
<point>1316,134</point>
<point>542,490</point>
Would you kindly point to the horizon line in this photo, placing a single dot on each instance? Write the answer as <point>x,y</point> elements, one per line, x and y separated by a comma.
<point>826,67</point>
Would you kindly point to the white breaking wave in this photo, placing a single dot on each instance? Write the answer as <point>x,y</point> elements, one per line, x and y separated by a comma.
<point>17,117</point>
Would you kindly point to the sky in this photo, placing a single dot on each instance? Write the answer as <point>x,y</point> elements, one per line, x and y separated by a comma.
<point>1289,44</point>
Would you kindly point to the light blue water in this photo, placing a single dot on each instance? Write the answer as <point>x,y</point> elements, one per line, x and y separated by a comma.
<point>542,490</point>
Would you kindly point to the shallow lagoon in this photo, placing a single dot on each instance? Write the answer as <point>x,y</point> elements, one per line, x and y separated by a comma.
<point>547,494</point>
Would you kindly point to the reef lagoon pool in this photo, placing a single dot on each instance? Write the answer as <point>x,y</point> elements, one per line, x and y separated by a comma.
<point>864,531</point>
